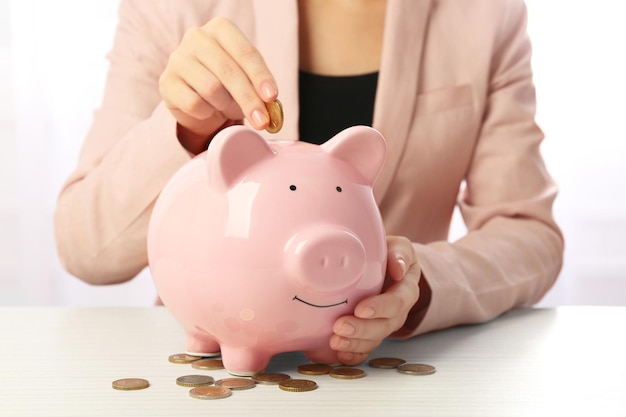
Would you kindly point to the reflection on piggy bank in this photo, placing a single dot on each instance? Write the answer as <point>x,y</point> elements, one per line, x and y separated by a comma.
<point>257,247</point>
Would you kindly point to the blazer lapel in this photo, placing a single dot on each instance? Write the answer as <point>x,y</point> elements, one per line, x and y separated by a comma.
<point>405,27</point>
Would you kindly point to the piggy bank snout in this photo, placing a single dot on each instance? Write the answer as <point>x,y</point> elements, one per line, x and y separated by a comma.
<point>326,259</point>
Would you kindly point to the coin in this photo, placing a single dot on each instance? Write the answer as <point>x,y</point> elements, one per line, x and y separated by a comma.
<point>194,380</point>
<point>236,383</point>
<point>347,373</point>
<point>130,384</point>
<point>297,385</point>
<point>386,363</point>
<point>183,358</point>
<point>314,369</point>
<point>416,369</point>
<point>208,364</point>
<point>270,378</point>
<point>209,392</point>
<point>275,111</point>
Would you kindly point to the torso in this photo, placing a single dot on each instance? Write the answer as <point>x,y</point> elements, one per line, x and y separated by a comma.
<point>341,37</point>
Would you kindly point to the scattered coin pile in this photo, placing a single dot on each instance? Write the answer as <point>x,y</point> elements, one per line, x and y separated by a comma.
<point>402,366</point>
<point>416,369</point>
<point>204,387</point>
<point>131,384</point>
<point>194,380</point>
<point>270,378</point>
<point>298,385</point>
<point>210,393</point>
<point>342,372</point>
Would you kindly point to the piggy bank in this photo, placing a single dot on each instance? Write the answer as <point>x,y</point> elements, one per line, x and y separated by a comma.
<point>256,247</point>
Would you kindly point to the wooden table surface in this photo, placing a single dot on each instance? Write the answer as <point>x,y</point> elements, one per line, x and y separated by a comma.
<point>569,361</point>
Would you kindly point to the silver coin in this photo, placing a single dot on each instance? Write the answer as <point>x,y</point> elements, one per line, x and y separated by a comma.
<point>416,369</point>
<point>194,380</point>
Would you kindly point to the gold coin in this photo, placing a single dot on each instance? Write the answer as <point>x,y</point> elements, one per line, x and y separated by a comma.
<point>297,385</point>
<point>347,373</point>
<point>208,364</point>
<point>183,358</point>
<point>386,363</point>
<point>194,380</point>
<point>416,369</point>
<point>314,369</point>
<point>275,111</point>
<point>130,384</point>
<point>210,392</point>
<point>236,383</point>
<point>270,378</point>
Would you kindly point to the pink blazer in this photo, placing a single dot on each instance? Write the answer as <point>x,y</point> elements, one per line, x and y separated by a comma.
<point>455,102</point>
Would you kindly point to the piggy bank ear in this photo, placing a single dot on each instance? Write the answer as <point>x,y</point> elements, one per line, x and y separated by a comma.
<point>362,147</point>
<point>232,152</point>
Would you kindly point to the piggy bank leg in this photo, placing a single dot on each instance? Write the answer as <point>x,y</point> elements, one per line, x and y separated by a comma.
<point>244,362</point>
<point>199,344</point>
<point>322,354</point>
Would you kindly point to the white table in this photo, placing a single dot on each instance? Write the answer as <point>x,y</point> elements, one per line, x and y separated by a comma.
<point>568,361</point>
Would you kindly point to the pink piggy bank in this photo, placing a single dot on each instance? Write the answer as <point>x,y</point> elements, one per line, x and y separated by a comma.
<point>257,247</point>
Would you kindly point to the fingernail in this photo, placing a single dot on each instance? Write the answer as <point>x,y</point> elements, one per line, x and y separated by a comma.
<point>402,264</point>
<point>259,118</point>
<point>269,91</point>
<point>347,329</point>
<point>366,313</point>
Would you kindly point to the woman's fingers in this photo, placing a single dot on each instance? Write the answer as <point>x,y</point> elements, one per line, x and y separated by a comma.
<point>400,256</point>
<point>378,316</point>
<point>215,76</point>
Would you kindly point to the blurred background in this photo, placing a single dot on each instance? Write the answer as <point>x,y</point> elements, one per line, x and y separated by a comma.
<point>52,69</point>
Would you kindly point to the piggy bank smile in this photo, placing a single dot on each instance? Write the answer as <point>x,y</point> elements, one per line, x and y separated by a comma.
<point>296,298</point>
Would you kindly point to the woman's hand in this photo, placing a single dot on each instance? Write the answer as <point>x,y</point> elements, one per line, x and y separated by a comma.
<point>215,78</point>
<point>376,317</point>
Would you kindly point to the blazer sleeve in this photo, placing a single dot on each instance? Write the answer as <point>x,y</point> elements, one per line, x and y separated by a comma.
<point>128,155</point>
<point>513,251</point>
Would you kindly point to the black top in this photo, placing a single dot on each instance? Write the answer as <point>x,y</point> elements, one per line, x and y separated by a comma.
<point>329,104</point>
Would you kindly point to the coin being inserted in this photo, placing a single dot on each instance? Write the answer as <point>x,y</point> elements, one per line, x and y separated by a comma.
<point>275,111</point>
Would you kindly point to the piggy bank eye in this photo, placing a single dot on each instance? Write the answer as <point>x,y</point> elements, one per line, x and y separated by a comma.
<point>339,189</point>
<point>292,187</point>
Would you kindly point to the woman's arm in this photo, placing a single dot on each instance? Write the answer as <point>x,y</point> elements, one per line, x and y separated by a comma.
<point>513,251</point>
<point>127,156</point>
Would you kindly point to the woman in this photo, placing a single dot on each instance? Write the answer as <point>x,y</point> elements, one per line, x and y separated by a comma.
<point>449,85</point>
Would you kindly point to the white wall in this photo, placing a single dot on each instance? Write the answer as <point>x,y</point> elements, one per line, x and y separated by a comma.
<point>55,64</point>
<point>580,63</point>
<point>52,69</point>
